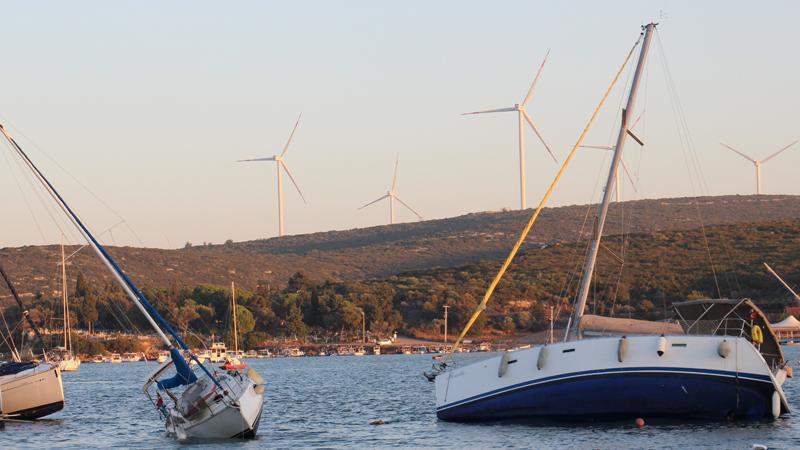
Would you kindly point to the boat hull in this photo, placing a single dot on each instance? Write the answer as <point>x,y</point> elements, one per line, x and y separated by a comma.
<point>32,393</point>
<point>625,395</point>
<point>594,379</point>
<point>223,421</point>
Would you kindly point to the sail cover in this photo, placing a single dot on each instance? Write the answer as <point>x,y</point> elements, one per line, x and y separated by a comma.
<point>184,374</point>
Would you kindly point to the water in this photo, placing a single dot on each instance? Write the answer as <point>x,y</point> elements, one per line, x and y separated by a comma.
<point>329,402</point>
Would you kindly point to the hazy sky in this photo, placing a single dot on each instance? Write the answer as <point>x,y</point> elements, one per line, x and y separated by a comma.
<point>149,105</point>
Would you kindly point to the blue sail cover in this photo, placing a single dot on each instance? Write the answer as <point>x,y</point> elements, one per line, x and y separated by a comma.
<point>183,377</point>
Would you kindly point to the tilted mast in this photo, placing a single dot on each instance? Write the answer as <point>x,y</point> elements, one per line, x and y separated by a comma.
<point>153,317</point>
<point>588,270</point>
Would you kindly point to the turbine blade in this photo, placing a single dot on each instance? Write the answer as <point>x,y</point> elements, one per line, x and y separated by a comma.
<point>409,208</point>
<point>738,152</point>
<point>286,169</point>
<point>375,201</point>
<point>536,130</point>
<point>491,111</point>
<point>394,179</point>
<point>271,158</point>
<point>535,80</point>
<point>600,147</point>
<point>286,147</point>
<point>777,153</point>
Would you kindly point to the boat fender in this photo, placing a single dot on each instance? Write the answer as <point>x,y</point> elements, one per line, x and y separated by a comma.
<point>503,365</point>
<point>622,349</point>
<point>542,359</point>
<point>662,345</point>
<point>724,348</point>
<point>776,404</point>
<point>788,368</point>
<point>757,335</point>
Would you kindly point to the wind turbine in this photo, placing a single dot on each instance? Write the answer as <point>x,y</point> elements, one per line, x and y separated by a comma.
<point>392,196</point>
<point>280,164</point>
<point>522,114</point>
<point>756,162</point>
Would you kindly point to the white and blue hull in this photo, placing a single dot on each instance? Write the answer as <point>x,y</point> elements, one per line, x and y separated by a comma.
<point>585,380</point>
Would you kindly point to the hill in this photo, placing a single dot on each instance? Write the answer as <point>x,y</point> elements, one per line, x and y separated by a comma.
<point>385,250</point>
<point>638,276</point>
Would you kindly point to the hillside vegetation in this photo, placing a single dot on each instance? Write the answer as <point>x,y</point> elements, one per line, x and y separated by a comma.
<point>638,275</point>
<point>385,250</point>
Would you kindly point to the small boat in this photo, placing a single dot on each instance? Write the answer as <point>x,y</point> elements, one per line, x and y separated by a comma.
<point>295,352</point>
<point>162,357</point>
<point>28,389</point>
<point>233,360</point>
<point>358,351</point>
<point>195,404</point>
<point>219,352</point>
<point>376,350</point>
<point>114,358</point>
<point>97,359</point>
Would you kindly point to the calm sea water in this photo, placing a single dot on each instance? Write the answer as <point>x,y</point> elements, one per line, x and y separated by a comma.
<point>329,402</point>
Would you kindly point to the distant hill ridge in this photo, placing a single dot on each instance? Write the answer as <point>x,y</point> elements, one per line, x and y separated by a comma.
<point>386,250</point>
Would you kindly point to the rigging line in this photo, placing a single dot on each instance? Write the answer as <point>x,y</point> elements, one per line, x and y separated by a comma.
<point>8,338</point>
<point>18,131</point>
<point>686,144</point>
<point>542,203</point>
<point>697,166</point>
<point>37,193</point>
<point>25,199</point>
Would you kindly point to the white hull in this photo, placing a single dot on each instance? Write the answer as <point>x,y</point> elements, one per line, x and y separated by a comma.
<point>32,393</point>
<point>69,365</point>
<point>222,419</point>
<point>520,384</point>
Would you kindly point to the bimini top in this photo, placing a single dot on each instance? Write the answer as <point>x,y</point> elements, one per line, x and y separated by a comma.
<point>729,317</point>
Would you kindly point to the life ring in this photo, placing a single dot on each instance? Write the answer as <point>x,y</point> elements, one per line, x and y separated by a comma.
<point>757,335</point>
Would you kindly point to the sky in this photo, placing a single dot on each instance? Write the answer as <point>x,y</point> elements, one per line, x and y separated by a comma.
<point>138,111</point>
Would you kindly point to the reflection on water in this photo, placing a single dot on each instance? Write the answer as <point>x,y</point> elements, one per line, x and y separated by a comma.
<point>329,402</point>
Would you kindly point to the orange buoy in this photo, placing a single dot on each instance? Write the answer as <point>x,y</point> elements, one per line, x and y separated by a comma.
<point>639,422</point>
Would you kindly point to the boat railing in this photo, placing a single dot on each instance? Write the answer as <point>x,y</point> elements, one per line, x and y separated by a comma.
<point>224,383</point>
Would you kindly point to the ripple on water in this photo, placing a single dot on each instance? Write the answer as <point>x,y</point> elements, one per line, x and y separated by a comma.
<point>328,402</point>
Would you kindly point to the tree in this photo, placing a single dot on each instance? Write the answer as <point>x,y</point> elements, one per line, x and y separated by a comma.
<point>86,300</point>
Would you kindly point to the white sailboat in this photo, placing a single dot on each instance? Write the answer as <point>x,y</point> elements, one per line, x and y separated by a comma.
<point>233,359</point>
<point>28,389</point>
<point>193,403</point>
<point>720,361</point>
<point>67,360</point>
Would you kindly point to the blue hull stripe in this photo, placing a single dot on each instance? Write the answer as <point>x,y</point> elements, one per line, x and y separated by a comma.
<point>590,373</point>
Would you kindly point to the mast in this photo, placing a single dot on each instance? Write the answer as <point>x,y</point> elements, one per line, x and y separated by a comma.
<point>588,269</point>
<point>64,299</point>
<point>235,330</point>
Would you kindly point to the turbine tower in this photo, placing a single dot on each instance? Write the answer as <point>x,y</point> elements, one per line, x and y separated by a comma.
<point>280,164</point>
<point>392,196</point>
<point>757,162</point>
<point>522,114</point>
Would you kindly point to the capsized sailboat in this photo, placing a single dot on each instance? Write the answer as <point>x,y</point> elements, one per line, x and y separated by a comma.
<point>193,403</point>
<point>721,361</point>
<point>28,389</point>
